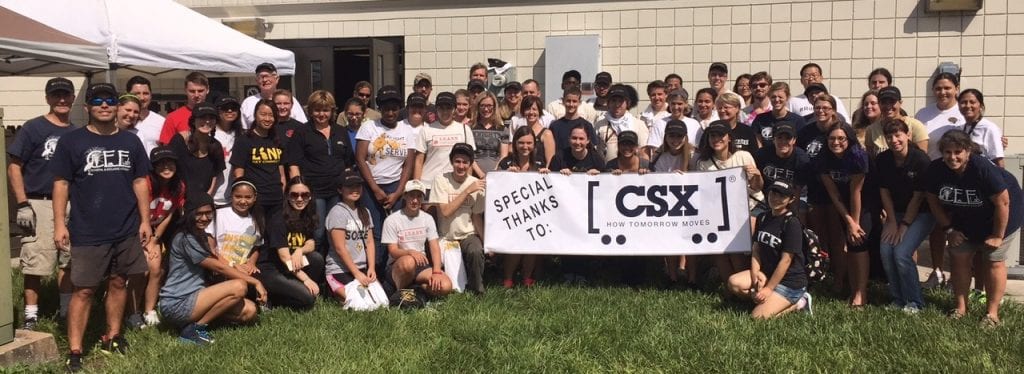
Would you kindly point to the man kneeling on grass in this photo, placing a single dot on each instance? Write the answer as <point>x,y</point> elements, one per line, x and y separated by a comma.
<point>778,251</point>
<point>405,234</point>
<point>184,300</point>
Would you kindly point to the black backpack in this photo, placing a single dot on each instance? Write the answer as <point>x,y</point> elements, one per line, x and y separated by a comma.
<point>816,258</point>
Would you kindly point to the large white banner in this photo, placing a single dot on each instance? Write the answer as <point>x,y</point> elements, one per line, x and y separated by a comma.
<point>629,214</point>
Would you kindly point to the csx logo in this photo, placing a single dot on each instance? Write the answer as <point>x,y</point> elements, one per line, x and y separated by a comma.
<point>657,199</point>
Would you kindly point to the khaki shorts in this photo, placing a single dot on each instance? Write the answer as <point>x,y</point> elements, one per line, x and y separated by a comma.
<point>39,255</point>
<point>999,254</point>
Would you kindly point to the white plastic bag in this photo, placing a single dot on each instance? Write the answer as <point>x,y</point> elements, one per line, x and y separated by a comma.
<point>366,298</point>
<point>451,258</point>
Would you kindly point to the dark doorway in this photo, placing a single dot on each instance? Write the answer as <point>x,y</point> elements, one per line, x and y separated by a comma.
<point>350,66</point>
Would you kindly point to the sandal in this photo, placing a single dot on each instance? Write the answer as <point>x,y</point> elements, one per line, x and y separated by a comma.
<point>989,323</point>
<point>954,314</point>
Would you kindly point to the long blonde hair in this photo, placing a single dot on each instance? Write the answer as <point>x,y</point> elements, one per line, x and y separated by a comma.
<point>474,112</point>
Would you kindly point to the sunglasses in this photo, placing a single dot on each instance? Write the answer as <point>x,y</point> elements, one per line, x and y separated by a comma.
<point>97,101</point>
<point>299,195</point>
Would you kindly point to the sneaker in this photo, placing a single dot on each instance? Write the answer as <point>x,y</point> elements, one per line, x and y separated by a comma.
<point>196,334</point>
<point>407,299</point>
<point>116,344</point>
<point>935,280</point>
<point>135,321</point>
<point>30,324</point>
<point>73,364</point>
<point>911,310</point>
<point>806,304</point>
<point>151,318</point>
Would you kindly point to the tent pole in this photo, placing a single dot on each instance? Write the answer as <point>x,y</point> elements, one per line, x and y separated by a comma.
<point>112,75</point>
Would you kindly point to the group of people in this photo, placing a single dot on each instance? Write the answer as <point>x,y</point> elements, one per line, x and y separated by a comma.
<point>227,206</point>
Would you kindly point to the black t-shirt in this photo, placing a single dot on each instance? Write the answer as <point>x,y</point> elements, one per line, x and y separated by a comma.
<point>565,160</point>
<point>775,239</point>
<point>967,197</point>
<point>510,161</point>
<point>260,158</point>
<point>320,159</point>
<point>198,172</point>
<point>287,130</point>
<point>903,180</point>
<point>744,138</point>
<point>815,142</point>
<point>765,123</point>
<point>101,170</point>
<point>34,145</point>
<point>614,164</point>
<point>561,129</point>
<point>275,235</point>
<point>841,170</point>
<point>794,169</point>
<point>488,146</point>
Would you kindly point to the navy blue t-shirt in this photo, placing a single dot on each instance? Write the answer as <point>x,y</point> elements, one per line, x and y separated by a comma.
<point>260,158</point>
<point>794,169</point>
<point>561,129</point>
<point>100,170</point>
<point>774,239</point>
<point>565,160</point>
<point>34,145</point>
<point>765,123</point>
<point>967,197</point>
<point>198,172</point>
<point>902,181</point>
<point>841,171</point>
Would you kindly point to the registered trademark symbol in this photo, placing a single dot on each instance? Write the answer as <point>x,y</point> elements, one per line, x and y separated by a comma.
<point>732,178</point>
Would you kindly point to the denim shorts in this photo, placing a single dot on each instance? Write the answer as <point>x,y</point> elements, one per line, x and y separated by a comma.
<point>178,311</point>
<point>790,294</point>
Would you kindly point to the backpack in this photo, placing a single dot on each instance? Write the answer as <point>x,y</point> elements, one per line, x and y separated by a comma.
<point>816,258</point>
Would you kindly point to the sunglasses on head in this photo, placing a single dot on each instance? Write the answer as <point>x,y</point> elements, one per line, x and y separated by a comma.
<point>97,101</point>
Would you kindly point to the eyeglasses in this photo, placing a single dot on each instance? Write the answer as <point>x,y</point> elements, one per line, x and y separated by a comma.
<point>266,76</point>
<point>204,213</point>
<point>299,195</point>
<point>837,139</point>
<point>822,109</point>
<point>97,101</point>
<point>486,106</point>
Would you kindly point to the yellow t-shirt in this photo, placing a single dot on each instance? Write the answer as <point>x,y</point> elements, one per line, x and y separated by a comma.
<point>459,225</point>
<point>875,138</point>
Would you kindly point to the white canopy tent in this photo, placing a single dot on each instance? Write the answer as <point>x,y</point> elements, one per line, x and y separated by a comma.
<point>156,36</point>
<point>28,47</point>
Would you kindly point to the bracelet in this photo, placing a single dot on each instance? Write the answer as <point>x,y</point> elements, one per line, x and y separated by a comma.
<point>24,204</point>
<point>438,272</point>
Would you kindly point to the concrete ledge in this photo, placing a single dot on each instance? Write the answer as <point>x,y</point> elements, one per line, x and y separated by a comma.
<point>29,347</point>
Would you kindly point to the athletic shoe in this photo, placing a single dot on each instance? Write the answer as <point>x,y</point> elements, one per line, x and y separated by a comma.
<point>116,344</point>
<point>196,334</point>
<point>935,280</point>
<point>808,303</point>
<point>407,299</point>
<point>911,310</point>
<point>30,324</point>
<point>151,318</point>
<point>135,321</point>
<point>73,364</point>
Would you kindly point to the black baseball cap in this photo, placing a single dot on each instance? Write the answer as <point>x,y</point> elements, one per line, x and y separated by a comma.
<point>513,85</point>
<point>97,89</point>
<point>476,84</point>
<point>629,137</point>
<point>784,128</point>
<point>194,201</point>
<point>675,127</point>
<point>59,84</point>
<point>462,149</point>
<point>445,98</point>
<point>719,126</point>
<point>814,88</point>
<point>349,179</point>
<point>161,153</point>
<point>603,77</point>
<point>226,101</point>
<point>618,90</point>
<point>719,66</point>
<point>784,187</point>
<point>388,94</point>
<point>416,98</point>
<point>204,109</point>
<point>891,93</point>
<point>266,66</point>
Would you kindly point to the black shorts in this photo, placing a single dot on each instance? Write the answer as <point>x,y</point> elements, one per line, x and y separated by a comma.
<point>92,263</point>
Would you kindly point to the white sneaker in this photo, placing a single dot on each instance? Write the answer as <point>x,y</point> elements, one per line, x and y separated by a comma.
<point>806,304</point>
<point>151,318</point>
<point>911,310</point>
<point>935,280</point>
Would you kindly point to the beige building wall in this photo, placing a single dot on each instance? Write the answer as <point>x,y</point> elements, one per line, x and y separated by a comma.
<point>645,40</point>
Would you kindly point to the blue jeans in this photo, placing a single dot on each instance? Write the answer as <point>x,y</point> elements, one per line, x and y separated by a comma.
<point>899,264</point>
<point>323,206</point>
<point>378,214</point>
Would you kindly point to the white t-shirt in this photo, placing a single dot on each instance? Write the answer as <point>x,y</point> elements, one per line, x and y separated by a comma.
<point>657,135</point>
<point>938,122</point>
<point>410,233</point>
<point>342,217</point>
<point>738,159</point>
<point>236,236</point>
<point>608,133</point>
<point>149,130</point>
<point>436,141</point>
<point>802,107</point>
<point>586,110</point>
<point>249,105</point>
<point>649,117</point>
<point>705,122</point>
<point>989,136</point>
<point>227,142</point>
<point>387,149</point>
<point>460,225</point>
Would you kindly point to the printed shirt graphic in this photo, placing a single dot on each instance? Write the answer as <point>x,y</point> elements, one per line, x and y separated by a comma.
<point>260,158</point>
<point>436,141</point>
<point>35,145</point>
<point>162,204</point>
<point>236,236</point>
<point>408,232</point>
<point>968,196</point>
<point>387,149</point>
<point>341,217</point>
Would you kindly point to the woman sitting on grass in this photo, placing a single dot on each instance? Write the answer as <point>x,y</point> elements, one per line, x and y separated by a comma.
<point>353,253</point>
<point>185,300</point>
<point>289,266</point>
<point>522,159</point>
<point>778,252</point>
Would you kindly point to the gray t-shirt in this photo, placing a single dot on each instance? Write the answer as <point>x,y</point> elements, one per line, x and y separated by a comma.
<point>184,275</point>
<point>341,217</point>
<point>408,232</point>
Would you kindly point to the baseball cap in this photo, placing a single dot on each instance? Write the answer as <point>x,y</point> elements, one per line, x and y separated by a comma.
<point>784,187</point>
<point>513,85</point>
<point>97,89</point>
<point>194,201</point>
<point>161,153</point>
<point>266,66</point>
<point>445,98</point>
<point>59,84</point>
<point>349,178</point>
<point>204,109</point>
<point>415,185</point>
<point>387,94</point>
<point>719,66</point>
<point>675,127</point>
<point>618,90</point>
<point>719,126</point>
<point>784,128</point>
<point>814,88</point>
<point>416,98</point>
<point>603,77</point>
<point>628,137</point>
<point>461,149</point>
<point>225,101</point>
<point>420,78</point>
<point>476,84</point>
<point>891,93</point>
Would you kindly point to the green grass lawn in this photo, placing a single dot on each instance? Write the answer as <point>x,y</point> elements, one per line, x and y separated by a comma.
<point>553,328</point>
